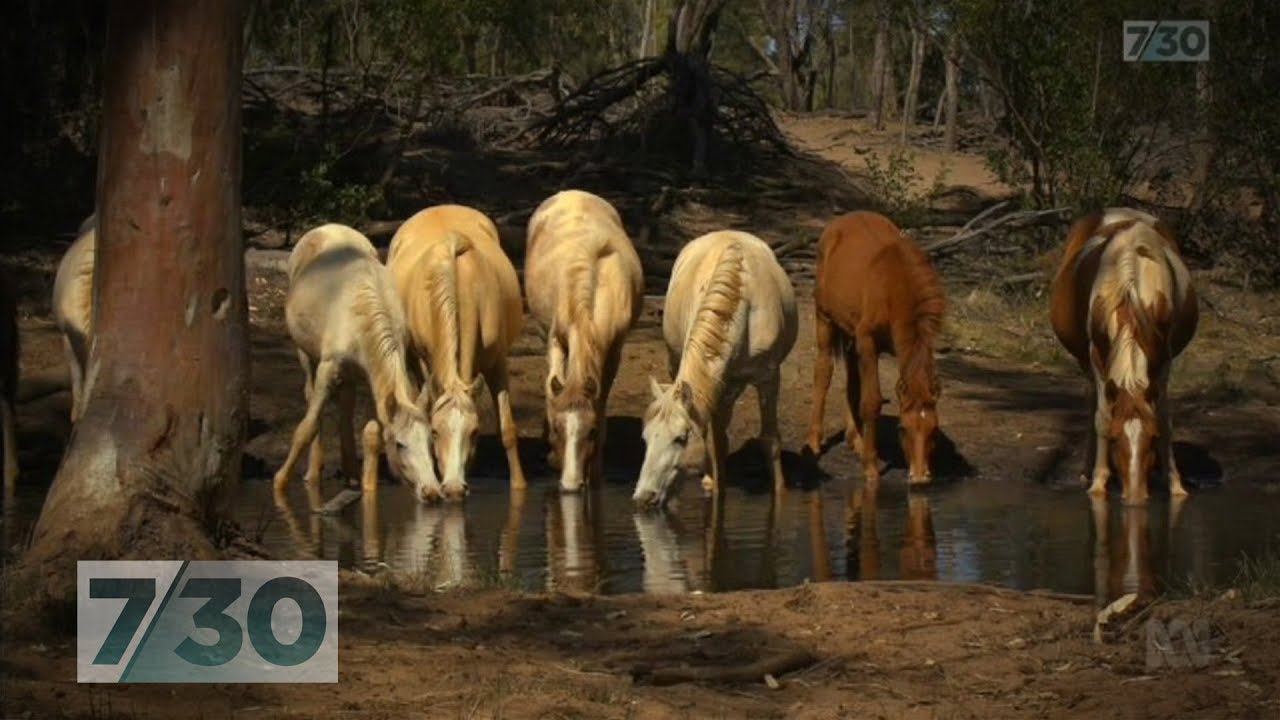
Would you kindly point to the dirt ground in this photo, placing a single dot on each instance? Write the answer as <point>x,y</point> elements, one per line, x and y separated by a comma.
<point>1011,407</point>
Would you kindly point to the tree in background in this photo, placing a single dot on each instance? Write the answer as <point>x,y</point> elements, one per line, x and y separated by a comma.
<point>161,435</point>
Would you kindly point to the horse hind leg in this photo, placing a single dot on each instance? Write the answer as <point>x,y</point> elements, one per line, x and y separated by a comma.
<point>826,337</point>
<point>1101,471</point>
<point>770,437</point>
<point>612,363</point>
<point>76,371</point>
<point>500,391</point>
<point>1167,460</point>
<point>870,400</point>
<point>346,425</point>
<point>308,429</point>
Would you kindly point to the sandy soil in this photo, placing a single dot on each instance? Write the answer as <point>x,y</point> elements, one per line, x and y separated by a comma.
<point>1011,407</point>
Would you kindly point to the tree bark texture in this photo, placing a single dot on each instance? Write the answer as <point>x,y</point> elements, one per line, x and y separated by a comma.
<point>911,100</point>
<point>952,92</point>
<point>160,439</point>
<point>880,65</point>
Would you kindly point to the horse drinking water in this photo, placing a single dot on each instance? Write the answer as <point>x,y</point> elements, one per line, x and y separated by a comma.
<point>729,320</point>
<point>876,291</point>
<point>462,301</point>
<point>1123,305</point>
<point>344,315</point>
<point>585,287</point>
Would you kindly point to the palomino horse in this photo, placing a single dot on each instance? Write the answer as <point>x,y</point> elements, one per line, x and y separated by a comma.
<point>585,287</point>
<point>877,292</point>
<point>1123,305</point>
<point>729,321</point>
<point>9,352</point>
<point>462,301</point>
<point>344,316</point>
<point>73,308</point>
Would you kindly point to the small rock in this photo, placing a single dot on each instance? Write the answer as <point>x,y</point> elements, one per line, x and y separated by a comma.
<point>772,682</point>
<point>1016,644</point>
<point>931,615</point>
<point>1232,594</point>
<point>616,614</point>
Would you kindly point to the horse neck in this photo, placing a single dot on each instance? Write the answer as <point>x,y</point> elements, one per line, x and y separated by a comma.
<point>714,332</point>
<point>913,343</point>
<point>382,341</point>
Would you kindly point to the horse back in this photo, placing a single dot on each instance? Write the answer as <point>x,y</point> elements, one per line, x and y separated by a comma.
<point>865,272</point>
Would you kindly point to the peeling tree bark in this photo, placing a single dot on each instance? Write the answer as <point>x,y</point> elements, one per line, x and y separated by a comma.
<point>165,417</point>
<point>880,66</point>
<point>952,92</point>
<point>911,101</point>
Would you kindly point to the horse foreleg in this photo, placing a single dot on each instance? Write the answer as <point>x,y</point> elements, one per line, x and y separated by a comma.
<point>315,456</point>
<point>852,401</point>
<point>823,366</point>
<point>346,426</point>
<point>308,429</point>
<point>770,437</point>
<point>612,362</point>
<point>497,381</point>
<point>1101,471</point>
<point>870,402</point>
<point>1165,419</point>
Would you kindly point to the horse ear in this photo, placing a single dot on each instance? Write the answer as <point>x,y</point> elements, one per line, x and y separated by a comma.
<point>556,386</point>
<point>475,384</point>
<point>900,387</point>
<point>655,387</point>
<point>1111,390</point>
<point>686,394</point>
<point>935,388</point>
<point>590,386</point>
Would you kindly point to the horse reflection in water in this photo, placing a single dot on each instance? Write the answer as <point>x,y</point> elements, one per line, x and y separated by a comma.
<point>575,543</point>
<point>678,560</point>
<point>918,556</point>
<point>1122,563</point>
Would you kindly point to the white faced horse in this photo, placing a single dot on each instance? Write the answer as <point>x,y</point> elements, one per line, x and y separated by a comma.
<point>729,321</point>
<point>344,315</point>
<point>462,302</point>
<point>585,287</point>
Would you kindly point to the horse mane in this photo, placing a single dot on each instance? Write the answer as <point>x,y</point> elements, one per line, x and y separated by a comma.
<point>1125,291</point>
<point>441,279</point>
<point>930,304</point>
<point>382,344</point>
<point>709,341</point>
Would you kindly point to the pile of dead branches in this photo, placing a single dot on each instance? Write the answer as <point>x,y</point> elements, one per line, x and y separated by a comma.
<point>634,107</point>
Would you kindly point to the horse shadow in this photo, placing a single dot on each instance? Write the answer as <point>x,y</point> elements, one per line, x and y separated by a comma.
<point>949,464</point>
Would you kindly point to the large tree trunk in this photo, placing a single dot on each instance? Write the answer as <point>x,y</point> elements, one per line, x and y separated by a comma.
<point>165,418</point>
<point>952,91</point>
<point>880,65</point>
<point>912,99</point>
<point>689,64</point>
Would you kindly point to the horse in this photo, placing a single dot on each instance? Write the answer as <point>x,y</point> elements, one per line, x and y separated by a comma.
<point>729,320</point>
<point>458,333</point>
<point>585,288</point>
<point>876,292</point>
<point>9,353</point>
<point>73,308</point>
<point>344,317</point>
<point>1123,305</point>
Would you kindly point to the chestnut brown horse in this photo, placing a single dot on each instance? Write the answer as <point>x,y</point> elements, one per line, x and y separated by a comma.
<point>1123,305</point>
<point>877,292</point>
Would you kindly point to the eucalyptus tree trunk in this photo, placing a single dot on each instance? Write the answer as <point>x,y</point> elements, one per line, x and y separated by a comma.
<point>952,92</point>
<point>880,62</point>
<point>164,423</point>
<point>911,100</point>
<point>689,35</point>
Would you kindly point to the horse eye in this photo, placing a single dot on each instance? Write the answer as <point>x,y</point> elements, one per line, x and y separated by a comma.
<point>682,439</point>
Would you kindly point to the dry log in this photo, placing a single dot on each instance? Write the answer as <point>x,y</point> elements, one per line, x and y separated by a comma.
<point>753,672</point>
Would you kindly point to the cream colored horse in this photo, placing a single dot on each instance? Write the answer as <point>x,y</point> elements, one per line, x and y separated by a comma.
<point>462,301</point>
<point>729,321</point>
<point>344,315</point>
<point>585,287</point>
<point>73,308</point>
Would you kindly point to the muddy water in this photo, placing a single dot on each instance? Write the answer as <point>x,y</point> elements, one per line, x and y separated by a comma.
<point>1013,533</point>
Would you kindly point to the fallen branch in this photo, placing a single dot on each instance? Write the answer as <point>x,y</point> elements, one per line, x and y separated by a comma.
<point>975,588</point>
<point>971,231</point>
<point>754,672</point>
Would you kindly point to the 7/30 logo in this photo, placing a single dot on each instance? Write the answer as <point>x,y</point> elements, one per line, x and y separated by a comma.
<point>197,632</point>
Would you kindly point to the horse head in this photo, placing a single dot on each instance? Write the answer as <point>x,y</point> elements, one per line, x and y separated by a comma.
<point>572,427</point>
<point>455,422</point>
<point>1132,433</point>
<point>918,391</point>
<point>407,439</point>
<point>675,443</point>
